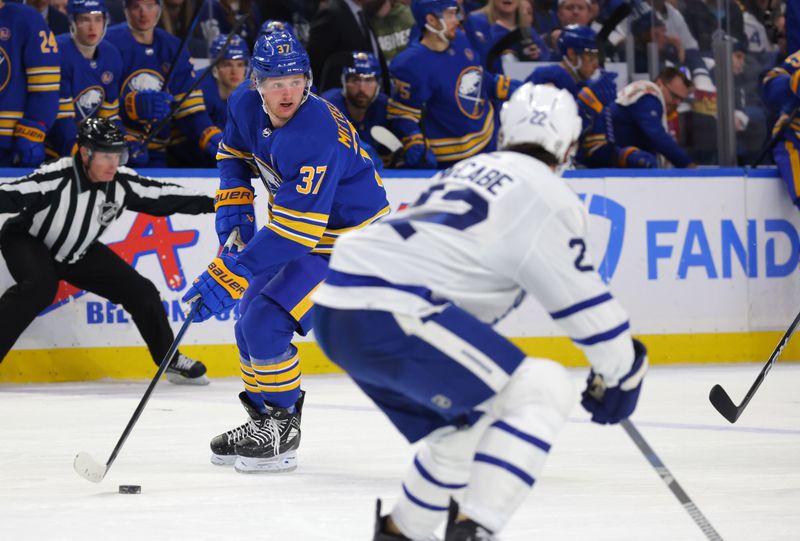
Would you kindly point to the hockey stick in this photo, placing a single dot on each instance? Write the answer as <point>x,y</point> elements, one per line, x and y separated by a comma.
<point>86,466</point>
<point>389,140</point>
<point>719,397</point>
<point>670,481</point>
<point>176,106</point>
<point>774,139</point>
<point>616,17</point>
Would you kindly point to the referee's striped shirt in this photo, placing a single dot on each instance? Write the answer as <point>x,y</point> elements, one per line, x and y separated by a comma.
<point>62,208</point>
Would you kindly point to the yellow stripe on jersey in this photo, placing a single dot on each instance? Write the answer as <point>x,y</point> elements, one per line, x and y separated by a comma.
<point>310,216</point>
<point>43,79</point>
<point>4,123</point>
<point>11,114</point>
<point>248,377</point>
<point>336,232</point>
<point>503,85</point>
<point>300,227</point>
<point>794,160</point>
<point>774,72</point>
<point>301,308</point>
<point>395,110</point>
<point>469,145</point>
<point>226,152</point>
<point>290,235</point>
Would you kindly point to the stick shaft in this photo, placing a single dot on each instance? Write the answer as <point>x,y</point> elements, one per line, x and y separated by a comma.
<point>161,368</point>
<point>670,481</point>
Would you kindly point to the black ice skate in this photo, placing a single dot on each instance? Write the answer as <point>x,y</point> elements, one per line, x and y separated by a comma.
<point>272,448</point>
<point>380,527</point>
<point>223,447</point>
<point>466,530</point>
<point>185,371</point>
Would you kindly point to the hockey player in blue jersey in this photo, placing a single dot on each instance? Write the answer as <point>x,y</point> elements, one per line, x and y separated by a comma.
<point>146,55</point>
<point>91,70</point>
<point>217,86</point>
<point>361,99</point>
<point>29,79</point>
<point>781,86</point>
<point>407,310</point>
<point>320,184</point>
<point>441,98</point>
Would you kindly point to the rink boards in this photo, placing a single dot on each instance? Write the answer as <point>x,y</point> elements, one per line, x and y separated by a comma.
<point>705,262</point>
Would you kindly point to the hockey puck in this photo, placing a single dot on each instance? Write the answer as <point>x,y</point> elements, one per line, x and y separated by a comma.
<point>130,489</point>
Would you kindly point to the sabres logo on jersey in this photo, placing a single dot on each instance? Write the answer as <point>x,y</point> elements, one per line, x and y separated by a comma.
<point>88,102</point>
<point>468,92</point>
<point>271,179</point>
<point>5,69</point>
<point>144,79</point>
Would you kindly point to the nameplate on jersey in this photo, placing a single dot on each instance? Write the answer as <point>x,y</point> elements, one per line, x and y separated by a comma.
<point>475,173</point>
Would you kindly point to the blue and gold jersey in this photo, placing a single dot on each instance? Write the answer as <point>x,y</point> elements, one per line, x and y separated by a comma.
<point>375,115</point>
<point>782,92</point>
<point>321,182</point>
<point>89,87</point>
<point>556,75</point>
<point>445,98</point>
<point>29,71</point>
<point>144,67</point>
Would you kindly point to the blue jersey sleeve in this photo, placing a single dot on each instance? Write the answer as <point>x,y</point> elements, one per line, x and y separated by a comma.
<point>410,92</point>
<point>235,157</point>
<point>782,83</point>
<point>648,113</point>
<point>43,72</point>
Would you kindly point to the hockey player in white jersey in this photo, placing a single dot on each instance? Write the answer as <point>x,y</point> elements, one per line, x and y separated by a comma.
<point>407,310</point>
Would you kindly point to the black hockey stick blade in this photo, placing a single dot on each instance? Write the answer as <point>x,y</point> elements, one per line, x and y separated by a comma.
<point>722,403</point>
<point>669,480</point>
<point>616,17</point>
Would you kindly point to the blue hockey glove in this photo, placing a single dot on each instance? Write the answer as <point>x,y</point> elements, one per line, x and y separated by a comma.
<point>635,158</point>
<point>609,405</point>
<point>417,154</point>
<point>234,208</point>
<point>29,143</point>
<point>220,287</point>
<point>148,105</point>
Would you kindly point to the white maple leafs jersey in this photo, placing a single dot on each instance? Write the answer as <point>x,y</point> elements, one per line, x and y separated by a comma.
<point>492,228</point>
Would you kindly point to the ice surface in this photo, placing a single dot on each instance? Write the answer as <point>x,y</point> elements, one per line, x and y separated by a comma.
<point>596,486</point>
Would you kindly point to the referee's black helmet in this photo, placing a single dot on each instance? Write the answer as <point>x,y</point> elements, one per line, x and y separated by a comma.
<point>102,135</point>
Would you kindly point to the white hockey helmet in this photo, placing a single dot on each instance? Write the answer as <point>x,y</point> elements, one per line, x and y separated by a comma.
<point>542,115</point>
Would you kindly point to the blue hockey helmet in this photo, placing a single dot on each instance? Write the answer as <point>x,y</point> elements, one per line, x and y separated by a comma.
<point>75,7</point>
<point>577,37</point>
<point>237,48</point>
<point>362,63</point>
<point>273,25</point>
<point>421,8</point>
<point>279,54</point>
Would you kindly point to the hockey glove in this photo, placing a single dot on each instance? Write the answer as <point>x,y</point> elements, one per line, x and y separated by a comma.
<point>609,405</point>
<point>29,142</point>
<point>148,105</point>
<point>635,158</point>
<point>220,287</point>
<point>235,209</point>
<point>417,154</point>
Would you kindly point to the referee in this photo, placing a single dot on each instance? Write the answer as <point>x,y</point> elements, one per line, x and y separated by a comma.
<point>64,207</point>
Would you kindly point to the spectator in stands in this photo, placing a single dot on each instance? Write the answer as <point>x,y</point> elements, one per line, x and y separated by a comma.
<point>361,100</point>
<point>297,12</point>
<point>704,21</point>
<point>339,28</point>
<point>750,116</point>
<point>545,19</point>
<point>568,12</point>
<point>392,21</point>
<point>56,20</point>
<point>488,25</point>
<point>91,70</point>
<point>220,16</point>
<point>650,28</point>
<point>60,5</point>
<point>640,122</point>
<point>149,105</point>
<point>441,76</point>
<point>176,19</point>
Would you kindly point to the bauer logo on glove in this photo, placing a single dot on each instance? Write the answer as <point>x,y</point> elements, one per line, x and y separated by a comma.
<point>236,285</point>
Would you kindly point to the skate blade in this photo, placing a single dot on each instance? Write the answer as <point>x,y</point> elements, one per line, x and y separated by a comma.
<point>280,464</point>
<point>89,468</point>
<point>177,379</point>
<point>222,460</point>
